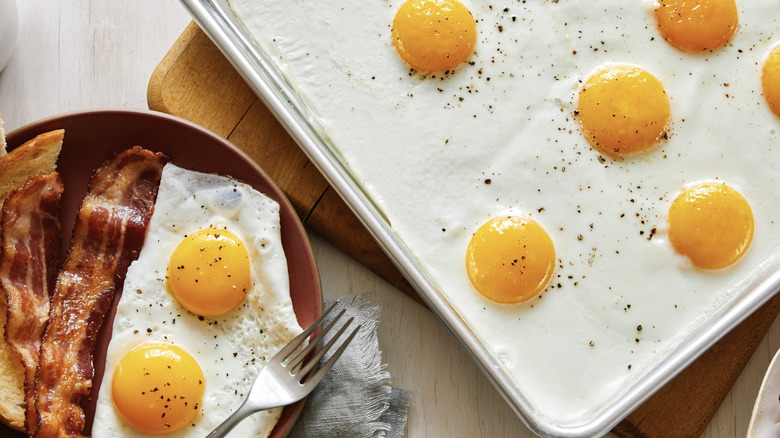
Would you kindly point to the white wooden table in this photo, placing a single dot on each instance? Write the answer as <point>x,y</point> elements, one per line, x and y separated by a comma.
<point>81,54</point>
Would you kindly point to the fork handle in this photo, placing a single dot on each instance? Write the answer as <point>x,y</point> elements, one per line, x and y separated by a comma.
<point>245,410</point>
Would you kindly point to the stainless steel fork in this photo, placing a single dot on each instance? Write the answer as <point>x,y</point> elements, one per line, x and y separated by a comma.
<point>283,379</point>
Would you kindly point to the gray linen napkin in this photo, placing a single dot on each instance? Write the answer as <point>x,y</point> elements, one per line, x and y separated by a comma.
<point>354,399</point>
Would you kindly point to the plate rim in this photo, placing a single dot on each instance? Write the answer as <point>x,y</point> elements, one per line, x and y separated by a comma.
<point>21,134</point>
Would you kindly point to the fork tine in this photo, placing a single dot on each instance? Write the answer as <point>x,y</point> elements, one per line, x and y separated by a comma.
<point>316,359</point>
<point>300,357</point>
<point>274,387</point>
<point>317,377</point>
<point>288,349</point>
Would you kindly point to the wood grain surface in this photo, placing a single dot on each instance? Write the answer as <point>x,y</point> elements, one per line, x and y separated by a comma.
<point>196,82</point>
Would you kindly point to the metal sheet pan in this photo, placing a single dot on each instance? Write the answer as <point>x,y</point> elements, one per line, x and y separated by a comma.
<point>216,19</point>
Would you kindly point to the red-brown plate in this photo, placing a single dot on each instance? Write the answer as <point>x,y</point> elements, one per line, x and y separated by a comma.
<point>93,136</point>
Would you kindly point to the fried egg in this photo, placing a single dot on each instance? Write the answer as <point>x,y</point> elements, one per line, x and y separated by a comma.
<point>434,36</point>
<point>203,308</point>
<point>589,118</point>
<point>770,79</point>
<point>510,259</point>
<point>622,110</point>
<point>711,224</point>
<point>697,25</point>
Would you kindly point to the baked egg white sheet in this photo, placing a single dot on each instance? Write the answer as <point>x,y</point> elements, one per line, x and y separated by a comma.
<point>442,154</point>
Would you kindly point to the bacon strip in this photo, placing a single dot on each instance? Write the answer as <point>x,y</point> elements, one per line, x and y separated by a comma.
<point>109,231</point>
<point>30,247</point>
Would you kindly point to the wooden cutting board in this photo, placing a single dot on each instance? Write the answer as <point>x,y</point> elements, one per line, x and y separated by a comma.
<point>196,82</point>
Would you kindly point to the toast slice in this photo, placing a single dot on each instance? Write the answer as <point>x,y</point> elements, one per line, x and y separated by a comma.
<point>2,139</point>
<point>37,156</point>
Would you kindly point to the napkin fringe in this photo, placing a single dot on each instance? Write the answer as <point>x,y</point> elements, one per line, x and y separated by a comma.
<point>355,398</point>
<point>397,413</point>
<point>367,341</point>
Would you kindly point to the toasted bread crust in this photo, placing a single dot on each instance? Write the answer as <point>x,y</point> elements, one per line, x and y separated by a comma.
<point>2,139</point>
<point>37,156</point>
<point>11,381</point>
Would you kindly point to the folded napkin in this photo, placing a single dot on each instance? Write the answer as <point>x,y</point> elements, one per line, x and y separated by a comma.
<point>355,399</point>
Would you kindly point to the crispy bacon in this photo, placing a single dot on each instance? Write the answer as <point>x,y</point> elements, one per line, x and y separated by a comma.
<point>30,248</point>
<point>109,231</point>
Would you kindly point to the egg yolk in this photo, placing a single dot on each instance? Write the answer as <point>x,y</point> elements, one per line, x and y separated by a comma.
<point>157,388</point>
<point>770,79</point>
<point>623,110</point>
<point>510,259</point>
<point>711,224</point>
<point>434,35</point>
<point>697,25</point>
<point>209,272</point>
